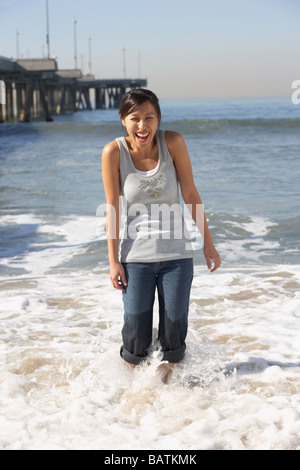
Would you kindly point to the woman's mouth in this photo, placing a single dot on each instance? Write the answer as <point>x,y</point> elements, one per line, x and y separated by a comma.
<point>142,137</point>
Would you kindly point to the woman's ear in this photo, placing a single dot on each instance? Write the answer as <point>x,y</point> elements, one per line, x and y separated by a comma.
<point>122,120</point>
<point>124,127</point>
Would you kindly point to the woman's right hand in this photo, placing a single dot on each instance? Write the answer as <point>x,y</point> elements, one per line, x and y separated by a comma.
<point>117,276</point>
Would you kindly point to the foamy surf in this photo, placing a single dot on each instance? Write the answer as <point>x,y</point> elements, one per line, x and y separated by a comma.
<point>64,385</point>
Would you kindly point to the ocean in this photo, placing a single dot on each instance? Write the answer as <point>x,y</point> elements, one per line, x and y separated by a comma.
<point>63,384</point>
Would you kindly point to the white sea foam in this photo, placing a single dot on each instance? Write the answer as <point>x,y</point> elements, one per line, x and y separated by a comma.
<point>64,386</point>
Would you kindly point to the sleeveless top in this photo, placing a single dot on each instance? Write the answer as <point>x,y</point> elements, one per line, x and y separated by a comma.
<point>154,228</point>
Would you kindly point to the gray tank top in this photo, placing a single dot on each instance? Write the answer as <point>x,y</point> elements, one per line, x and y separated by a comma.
<point>153,223</point>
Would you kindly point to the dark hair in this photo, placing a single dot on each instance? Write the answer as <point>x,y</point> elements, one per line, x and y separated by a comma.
<point>134,98</point>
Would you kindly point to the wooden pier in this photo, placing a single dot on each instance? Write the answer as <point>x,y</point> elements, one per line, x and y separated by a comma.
<point>32,88</point>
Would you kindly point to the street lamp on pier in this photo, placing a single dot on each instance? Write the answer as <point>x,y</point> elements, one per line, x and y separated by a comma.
<point>75,44</point>
<point>17,43</point>
<point>124,61</point>
<point>90,56</point>
<point>47,29</point>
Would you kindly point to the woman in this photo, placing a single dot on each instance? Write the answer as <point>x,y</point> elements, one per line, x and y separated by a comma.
<point>144,168</point>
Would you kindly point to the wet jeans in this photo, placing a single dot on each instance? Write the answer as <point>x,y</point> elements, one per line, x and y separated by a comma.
<point>173,280</point>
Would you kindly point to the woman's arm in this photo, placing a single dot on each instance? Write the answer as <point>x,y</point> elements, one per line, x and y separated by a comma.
<point>111,181</point>
<point>182,163</point>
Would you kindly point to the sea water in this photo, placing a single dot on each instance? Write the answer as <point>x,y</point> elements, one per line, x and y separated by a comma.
<point>63,383</point>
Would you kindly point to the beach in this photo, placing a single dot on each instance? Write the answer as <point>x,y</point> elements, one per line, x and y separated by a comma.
<point>63,383</point>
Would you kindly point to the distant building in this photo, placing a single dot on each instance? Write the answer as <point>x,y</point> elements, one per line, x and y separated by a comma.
<point>38,65</point>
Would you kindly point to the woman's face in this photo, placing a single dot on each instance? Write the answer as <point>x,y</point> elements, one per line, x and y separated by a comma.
<point>141,125</point>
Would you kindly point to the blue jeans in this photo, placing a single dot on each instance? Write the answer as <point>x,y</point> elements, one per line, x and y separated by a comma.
<point>173,280</point>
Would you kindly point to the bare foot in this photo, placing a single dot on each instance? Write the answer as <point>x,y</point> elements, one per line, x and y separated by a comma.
<point>166,369</point>
<point>129,365</point>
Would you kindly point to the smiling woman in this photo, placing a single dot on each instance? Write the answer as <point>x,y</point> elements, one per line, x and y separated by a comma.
<point>145,167</point>
<point>141,126</point>
<point>140,115</point>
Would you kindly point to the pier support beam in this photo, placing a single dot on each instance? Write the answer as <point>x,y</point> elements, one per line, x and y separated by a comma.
<point>36,101</point>
<point>44,101</point>
<point>100,100</point>
<point>25,113</point>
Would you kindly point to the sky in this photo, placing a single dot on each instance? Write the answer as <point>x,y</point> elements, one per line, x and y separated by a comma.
<point>185,48</point>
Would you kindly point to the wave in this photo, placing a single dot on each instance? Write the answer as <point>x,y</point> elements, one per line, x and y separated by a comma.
<point>108,123</point>
<point>189,126</point>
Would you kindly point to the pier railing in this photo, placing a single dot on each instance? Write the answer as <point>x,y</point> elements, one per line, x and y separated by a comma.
<point>32,88</point>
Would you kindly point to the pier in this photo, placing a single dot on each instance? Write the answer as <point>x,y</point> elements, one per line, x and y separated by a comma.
<point>32,88</point>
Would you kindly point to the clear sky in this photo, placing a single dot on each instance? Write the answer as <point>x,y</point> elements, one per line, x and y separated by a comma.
<point>188,48</point>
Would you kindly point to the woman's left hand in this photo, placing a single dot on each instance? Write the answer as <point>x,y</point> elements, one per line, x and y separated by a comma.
<point>211,254</point>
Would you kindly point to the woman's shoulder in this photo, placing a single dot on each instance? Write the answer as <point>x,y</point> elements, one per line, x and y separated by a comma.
<point>173,137</point>
<point>174,140</point>
<point>111,152</point>
<point>111,149</point>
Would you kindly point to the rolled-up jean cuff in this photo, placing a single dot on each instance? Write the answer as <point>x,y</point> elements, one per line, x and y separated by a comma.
<point>175,355</point>
<point>131,358</point>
